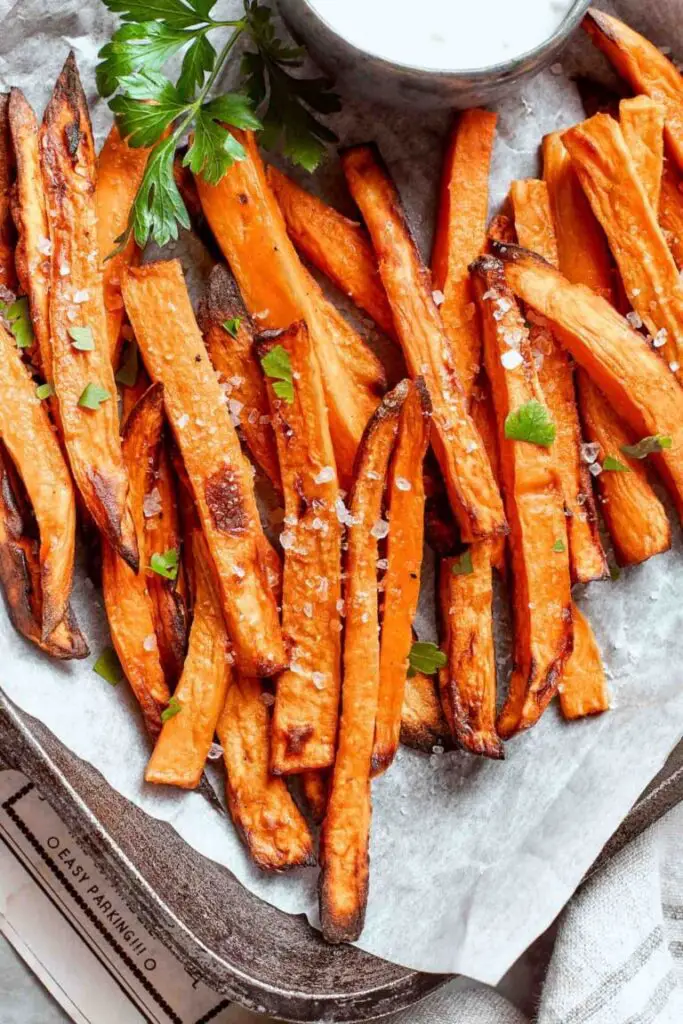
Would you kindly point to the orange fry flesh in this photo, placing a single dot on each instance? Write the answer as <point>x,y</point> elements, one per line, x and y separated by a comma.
<point>126,595</point>
<point>260,804</point>
<point>91,435</point>
<point>642,125</point>
<point>315,787</point>
<point>220,478</point>
<point>405,511</point>
<point>633,379</point>
<point>277,291</point>
<point>535,509</point>
<point>535,230</point>
<point>345,833</point>
<point>618,198</point>
<point>183,745</point>
<point>423,725</point>
<point>671,210</point>
<point>230,350</point>
<point>337,246</point>
<point>635,516</point>
<point>472,490</point>
<point>583,689</point>
<point>307,693</point>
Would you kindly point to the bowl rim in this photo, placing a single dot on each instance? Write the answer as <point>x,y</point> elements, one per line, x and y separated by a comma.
<point>567,26</point>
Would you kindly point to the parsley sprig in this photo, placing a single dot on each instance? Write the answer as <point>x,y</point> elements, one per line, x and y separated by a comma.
<point>152,111</point>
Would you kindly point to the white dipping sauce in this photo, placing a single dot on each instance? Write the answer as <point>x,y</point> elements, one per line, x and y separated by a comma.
<point>445,35</point>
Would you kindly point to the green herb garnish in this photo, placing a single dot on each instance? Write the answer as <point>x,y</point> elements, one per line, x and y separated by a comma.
<point>615,572</point>
<point>425,657</point>
<point>93,396</point>
<point>82,339</point>
<point>147,104</point>
<point>165,564</point>
<point>647,446</point>
<point>232,326</point>
<point>530,423</point>
<point>277,365</point>
<point>559,546</point>
<point>18,317</point>
<point>173,708</point>
<point>127,373</point>
<point>612,465</point>
<point>108,667</point>
<point>462,566</point>
<point>44,391</point>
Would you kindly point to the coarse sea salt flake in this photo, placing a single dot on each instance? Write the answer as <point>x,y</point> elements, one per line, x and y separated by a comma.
<point>512,359</point>
<point>325,475</point>
<point>307,609</point>
<point>235,410</point>
<point>595,468</point>
<point>471,446</point>
<point>438,297</point>
<point>183,421</point>
<point>287,539</point>
<point>151,503</point>
<point>380,529</point>
<point>318,680</point>
<point>215,752</point>
<point>660,338</point>
<point>402,484</point>
<point>674,367</point>
<point>150,642</point>
<point>45,246</point>
<point>64,269</point>
<point>82,295</point>
<point>634,319</point>
<point>590,452</point>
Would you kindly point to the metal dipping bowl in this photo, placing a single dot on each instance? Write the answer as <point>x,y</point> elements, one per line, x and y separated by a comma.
<point>357,72</point>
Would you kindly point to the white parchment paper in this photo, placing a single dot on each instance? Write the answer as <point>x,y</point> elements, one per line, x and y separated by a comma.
<point>471,859</point>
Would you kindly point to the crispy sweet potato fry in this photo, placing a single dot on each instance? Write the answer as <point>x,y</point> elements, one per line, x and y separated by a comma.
<point>260,804</point>
<point>423,725</point>
<point>619,360</point>
<point>31,255</point>
<point>126,597</point>
<point>642,125</point>
<point>91,436</point>
<point>119,172</point>
<point>8,277</point>
<point>635,516</point>
<point>307,694</point>
<point>28,436</point>
<point>345,833</point>
<point>316,787</point>
<point>535,230</point>
<point>220,478</point>
<point>337,246</point>
<point>277,290</point>
<point>460,234</point>
<point>468,681</point>
<point>405,511</point>
<point>644,67</point>
<point>671,210</point>
<point>609,178</point>
<point>535,509</point>
<point>583,689</point>
<point>230,349</point>
<point>20,571</point>
<point>472,491</point>
<point>182,747</point>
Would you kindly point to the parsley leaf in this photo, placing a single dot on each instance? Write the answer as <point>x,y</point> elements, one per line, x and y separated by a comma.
<point>530,423</point>
<point>158,208</point>
<point>173,708</point>
<point>82,339</point>
<point>44,391</point>
<point>232,326</point>
<point>127,373</point>
<point>108,667</point>
<point>462,566</point>
<point>425,658</point>
<point>214,149</point>
<point>559,546</point>
<point>18,317</point>
<point>612,465</point>
<point>277,365</point>
<point>176,13</point>
<point>647,446</point>
<point>146,109</point>
<point>165,564</point>
<point>93,396</point>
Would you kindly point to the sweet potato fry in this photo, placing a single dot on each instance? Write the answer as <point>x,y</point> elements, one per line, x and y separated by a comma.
<point>405,512</point>
<point>230,350</point>
<point>535,230</point>
<point>345,833</point>
<point>28,436</point>
<point>535,509</point>
<point>260,804</point>
<point>20,571</point>
<point>644,67</point>
<point>8,277</point>
<point>277,290</point>
<point>635,516</point>
<point>642,125</point>
<point>583,688</point>
<point>460,234</point>
<point>32,253</point>
<point>220,478</point>
<point>618,198</point>
<point>316,787</point>
<point>671,210</point>
<point>307,694</point>
<point>423,725</point>
<point>126,597</point>
<point>472,491</point>
<point>119,172</point>
<point>619,360</point>
<point>193,712</point>
<point>82,377</point>
<point>468,682</point>
<point>337,246</point>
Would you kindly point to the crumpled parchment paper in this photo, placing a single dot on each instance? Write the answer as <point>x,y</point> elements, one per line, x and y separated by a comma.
<point>471,859</point>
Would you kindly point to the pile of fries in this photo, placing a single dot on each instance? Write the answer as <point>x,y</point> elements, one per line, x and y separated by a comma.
<point>542,383</point>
